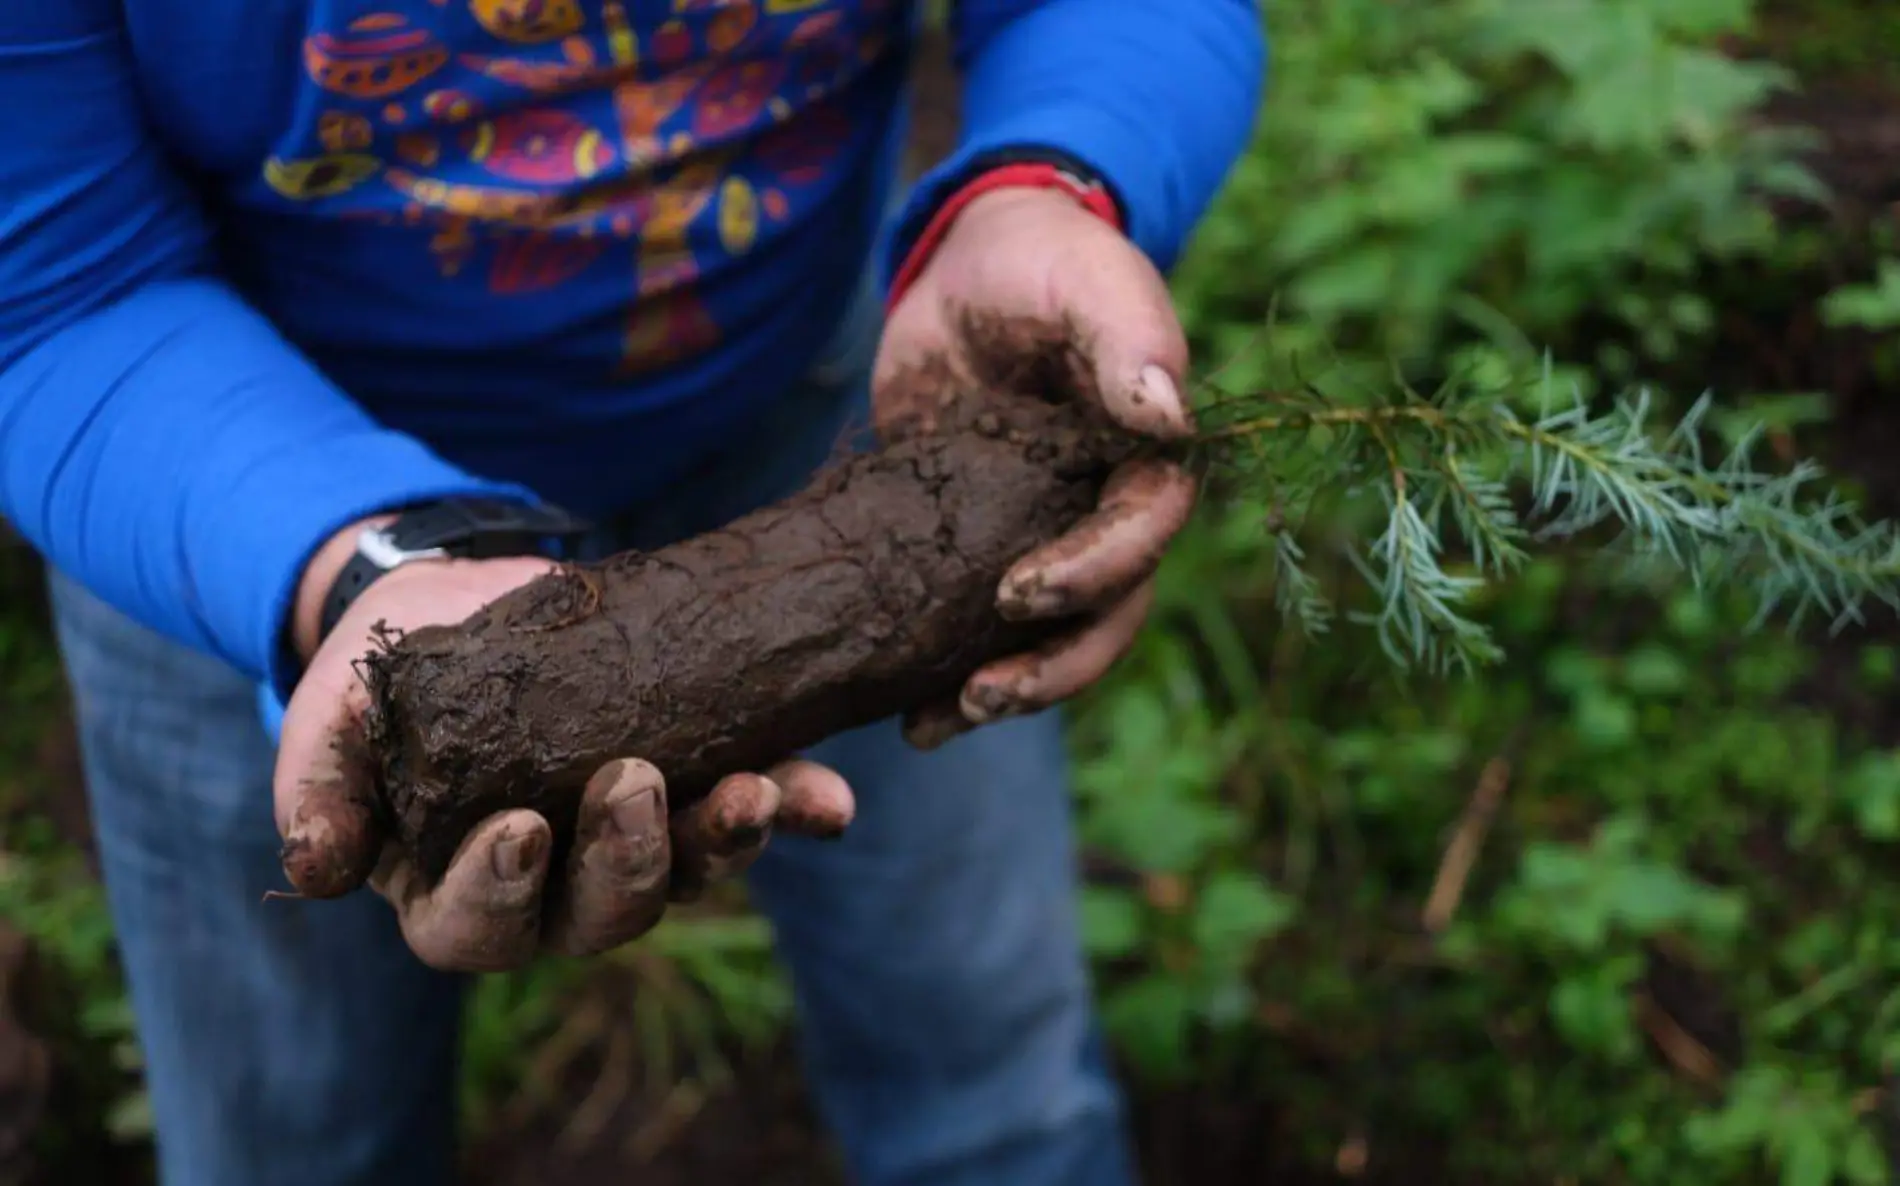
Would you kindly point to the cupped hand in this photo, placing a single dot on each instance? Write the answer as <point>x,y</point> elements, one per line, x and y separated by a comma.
<point>499,905</point>
<point>1039,263</point>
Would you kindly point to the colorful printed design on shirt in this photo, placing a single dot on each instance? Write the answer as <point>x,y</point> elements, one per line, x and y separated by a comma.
<point>376,56</point>
<point>528,22</point>
<point>632,146</point>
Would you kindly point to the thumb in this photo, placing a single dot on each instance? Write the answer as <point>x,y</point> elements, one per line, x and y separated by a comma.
<point>325,784</point>
<point>324,791</point>
<point>1131,335</point>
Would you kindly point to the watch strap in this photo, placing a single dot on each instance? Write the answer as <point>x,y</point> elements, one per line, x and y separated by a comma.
<point>1016,168</point>
<point>465,528</point>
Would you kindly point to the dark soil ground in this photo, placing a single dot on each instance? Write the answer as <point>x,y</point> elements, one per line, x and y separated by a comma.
<point>762,1133</point>
<point>760,1130</point>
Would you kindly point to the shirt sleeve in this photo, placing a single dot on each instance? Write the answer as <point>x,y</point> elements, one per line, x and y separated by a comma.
<point>1159,97</point>
<point>160,443</point>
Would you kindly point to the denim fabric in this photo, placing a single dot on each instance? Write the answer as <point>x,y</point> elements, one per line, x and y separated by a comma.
<point>943,1000</point>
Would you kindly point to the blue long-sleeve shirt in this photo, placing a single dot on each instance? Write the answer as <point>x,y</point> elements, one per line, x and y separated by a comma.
<point>267,266</point>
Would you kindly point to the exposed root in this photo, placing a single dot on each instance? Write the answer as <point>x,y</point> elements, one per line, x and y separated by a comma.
<point>866,595</point>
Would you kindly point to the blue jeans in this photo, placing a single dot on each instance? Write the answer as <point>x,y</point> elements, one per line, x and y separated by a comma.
<point>944,1006</point>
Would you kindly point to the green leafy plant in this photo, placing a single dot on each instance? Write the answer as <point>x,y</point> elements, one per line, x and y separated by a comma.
<point>1441,465</point>
<point>660,1023</point>
<point>1421,168</point>
<point>52,899</point>
<point>1875,305</point>
<point>1805,1122</point>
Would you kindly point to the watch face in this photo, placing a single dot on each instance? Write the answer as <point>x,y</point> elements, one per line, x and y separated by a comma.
<point>382,550</point>
<point>471,527</point>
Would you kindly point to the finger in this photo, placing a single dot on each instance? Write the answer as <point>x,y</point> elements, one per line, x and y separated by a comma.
<point>1034,681</point>
<point>485,915</point>
<point>814,800</point>
<point>1133,337</point>
<point>325,796</point>
<point>723,833</point>
<point>935,725</point>
<point>1110,552</point>
<point>1149,403</point>
<point>615,889</point>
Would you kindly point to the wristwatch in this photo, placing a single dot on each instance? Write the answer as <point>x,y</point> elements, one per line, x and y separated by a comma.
<point>466,528</point>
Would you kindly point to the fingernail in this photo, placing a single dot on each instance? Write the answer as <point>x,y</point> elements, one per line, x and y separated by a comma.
<point>828,829</point>
<point>636,813</point>
<point>932,730</point>
<point>308,871</point>
<point>743,837</point>
<point>515,857</point>
<point>750,800</point>
<point>984,703</point>
<point>1159,392</point>
<point>1031,596</point>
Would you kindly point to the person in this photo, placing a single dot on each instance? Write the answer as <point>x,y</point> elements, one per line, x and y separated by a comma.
<point>317,315</point>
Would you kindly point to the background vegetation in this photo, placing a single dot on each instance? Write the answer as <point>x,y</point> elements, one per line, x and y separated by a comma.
<point>1618,909</point>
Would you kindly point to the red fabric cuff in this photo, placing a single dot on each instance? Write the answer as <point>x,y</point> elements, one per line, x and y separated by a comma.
<point>1092,196</point>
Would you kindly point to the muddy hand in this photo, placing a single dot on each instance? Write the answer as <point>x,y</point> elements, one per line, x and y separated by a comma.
<point>1037,261</point>
<point>499,904</point>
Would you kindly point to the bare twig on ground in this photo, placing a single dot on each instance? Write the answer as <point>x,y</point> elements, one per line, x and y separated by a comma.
<point>1467,841</point>
<point>1681,1048</point>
